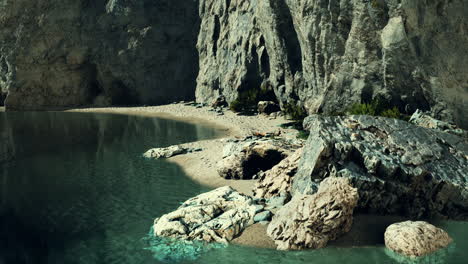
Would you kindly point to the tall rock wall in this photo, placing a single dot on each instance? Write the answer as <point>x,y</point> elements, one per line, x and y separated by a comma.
<point>79,52</point>
<point>325,55</point>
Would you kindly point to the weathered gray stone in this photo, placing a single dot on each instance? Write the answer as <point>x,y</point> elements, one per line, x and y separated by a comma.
<point>310,221</point>
<point>328,55</point>
<point>62,53</point>
<point>415,239</point>
<point>263,216</point>
<point>422,119</point>
<point>398,168</point>
<point>216,216</point>
<point>168,152</point>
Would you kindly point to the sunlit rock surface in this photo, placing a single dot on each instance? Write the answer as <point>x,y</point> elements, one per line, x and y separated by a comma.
<point>398,168</point>
<point>415,239</point>
<point>216,216</point>
<point>310,221</point>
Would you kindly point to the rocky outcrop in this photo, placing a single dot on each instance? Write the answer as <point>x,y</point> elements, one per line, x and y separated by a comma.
<point>326,55</point>
<point>398,168</point>
<point>279,179</point>
<point>216,216</point>
<point>319,55</point>
<point>425,120</point>
<point>243,160</point>
<point>310,221</point>
<point>415,239</point>
<point>79,52</point>
<point>171,151</point>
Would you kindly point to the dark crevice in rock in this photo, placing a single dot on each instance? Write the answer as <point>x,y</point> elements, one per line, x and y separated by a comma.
<point>256,163</point>
<point>289,36</point>
<point>216,32</point>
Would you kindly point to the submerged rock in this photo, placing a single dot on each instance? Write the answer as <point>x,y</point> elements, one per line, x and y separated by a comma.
<point>399,168</point>
<point>168,152</point>
<point>279,179</point>
<point>243,160</point>
<point>310,221</point>
<point>216,216</point>
<point>415,239</point>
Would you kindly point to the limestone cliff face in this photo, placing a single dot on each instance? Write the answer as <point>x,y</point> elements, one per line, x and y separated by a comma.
<point>325,55</point>
<point>80,52</point>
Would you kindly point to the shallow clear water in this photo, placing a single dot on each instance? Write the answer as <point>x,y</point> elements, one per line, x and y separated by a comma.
<point>78,191</point>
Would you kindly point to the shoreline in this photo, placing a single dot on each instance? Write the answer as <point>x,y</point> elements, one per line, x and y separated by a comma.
<point>201,166</point>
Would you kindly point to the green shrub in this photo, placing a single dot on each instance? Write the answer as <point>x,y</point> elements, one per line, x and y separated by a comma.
<point>295,112</point>
<point>363,109</point>
<point>391,113</point>
<point>376,108</point>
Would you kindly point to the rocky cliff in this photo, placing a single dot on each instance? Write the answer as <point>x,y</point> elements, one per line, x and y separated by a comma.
<point>81,52</point>
<point>320,55</point>
<point>325,55</point>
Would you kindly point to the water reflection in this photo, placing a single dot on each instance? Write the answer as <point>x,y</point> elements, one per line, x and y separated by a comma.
<point>78,190</point>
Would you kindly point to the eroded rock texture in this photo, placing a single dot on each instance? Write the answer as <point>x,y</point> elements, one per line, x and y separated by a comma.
<point>79,52</point>
<point>415,239</point>
<point>216,216</point>
<point>243,160</point>
<point>278,179</point>
<point>398,168</point>
<point>326,55</point>
<point>310,221</point>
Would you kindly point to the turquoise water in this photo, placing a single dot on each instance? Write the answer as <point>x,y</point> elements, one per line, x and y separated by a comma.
<point>78,191</point>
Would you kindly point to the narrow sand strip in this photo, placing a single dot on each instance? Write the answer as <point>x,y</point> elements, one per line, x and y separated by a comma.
<point>201,166</point>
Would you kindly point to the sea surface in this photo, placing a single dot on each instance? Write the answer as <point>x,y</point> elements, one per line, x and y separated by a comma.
<point>77,190</point>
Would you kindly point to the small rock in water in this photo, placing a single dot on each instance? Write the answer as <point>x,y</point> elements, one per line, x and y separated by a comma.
<point>168,152</point>
<point>415,239</point>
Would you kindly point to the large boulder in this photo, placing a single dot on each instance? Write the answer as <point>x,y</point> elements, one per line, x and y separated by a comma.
<point>415,239</point>
<point>243,160</point>
<point>310,221</point>
<point>216,216</point>
<point>399,168</point>
<point>278,180</point>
